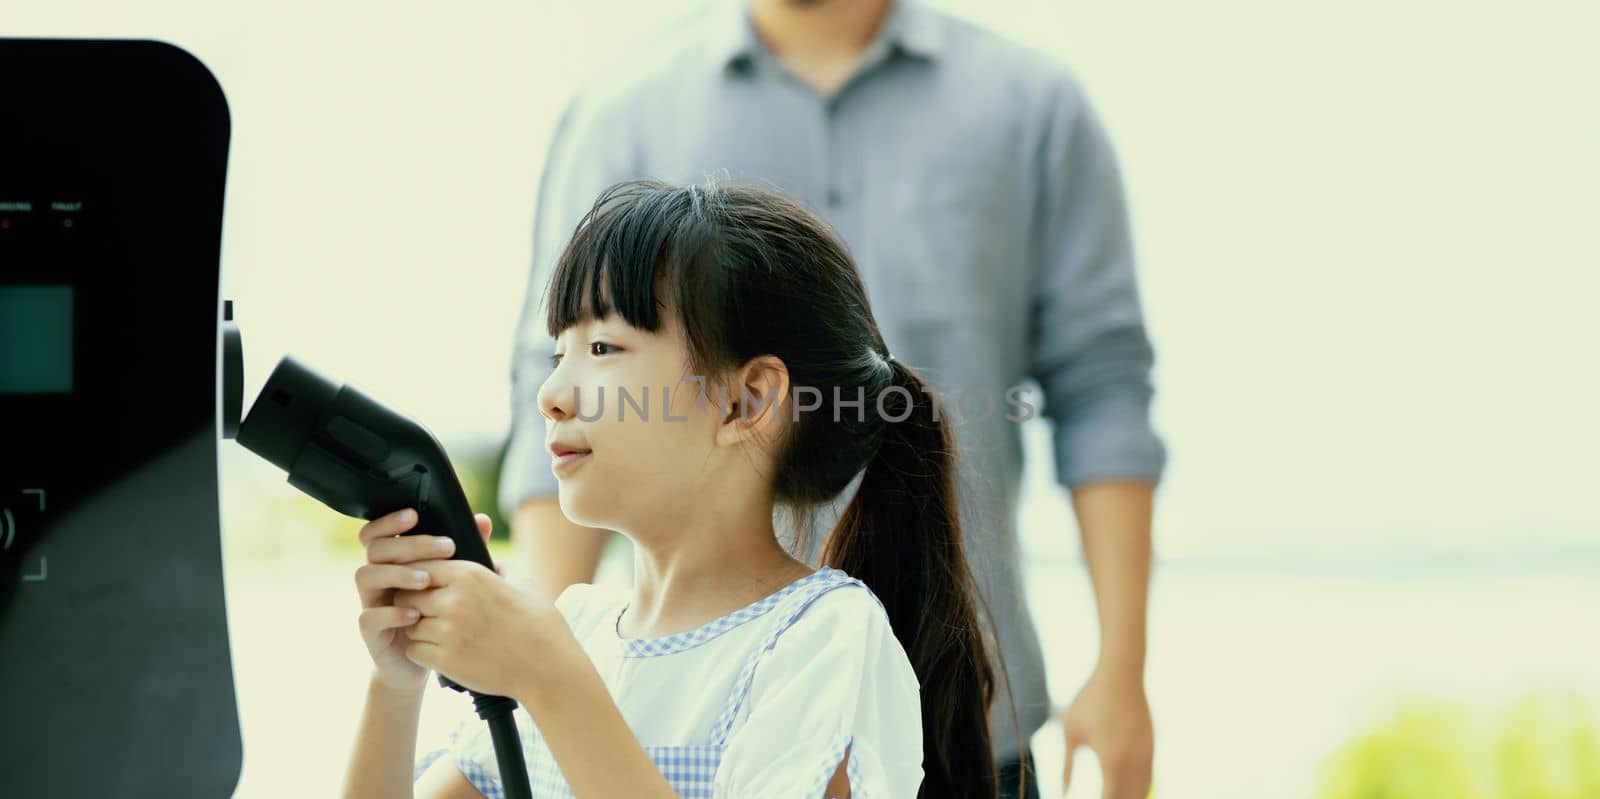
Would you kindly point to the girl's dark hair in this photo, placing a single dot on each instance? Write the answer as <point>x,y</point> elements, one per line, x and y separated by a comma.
<point>750,272</point>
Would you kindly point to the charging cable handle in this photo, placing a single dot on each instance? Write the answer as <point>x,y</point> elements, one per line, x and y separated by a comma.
<point>364,460</point>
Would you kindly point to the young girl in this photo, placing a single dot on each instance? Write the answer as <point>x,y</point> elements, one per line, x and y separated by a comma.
<point>715,359</point>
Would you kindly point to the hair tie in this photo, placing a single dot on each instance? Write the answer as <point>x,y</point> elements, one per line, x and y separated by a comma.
<point>889,357</point>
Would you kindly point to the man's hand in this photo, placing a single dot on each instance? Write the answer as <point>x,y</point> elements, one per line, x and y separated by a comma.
<point>1111,716</point>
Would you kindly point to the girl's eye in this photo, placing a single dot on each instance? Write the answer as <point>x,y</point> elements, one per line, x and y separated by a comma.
<point>555,360</point>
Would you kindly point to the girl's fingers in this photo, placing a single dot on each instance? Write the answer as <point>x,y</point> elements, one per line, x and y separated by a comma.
<point>486,529</point>
<point>391,524</point>
<point>373,579</point>
<point>376,620</point>
<point>409,548</point>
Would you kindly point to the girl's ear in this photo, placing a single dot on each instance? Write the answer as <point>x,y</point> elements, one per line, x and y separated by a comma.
<point>755,401</point>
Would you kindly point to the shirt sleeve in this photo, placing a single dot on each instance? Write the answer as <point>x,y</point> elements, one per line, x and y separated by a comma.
<point>1091,353</point>
<point>589,151</point>
<point>575,605</point>
<point>835,682</point>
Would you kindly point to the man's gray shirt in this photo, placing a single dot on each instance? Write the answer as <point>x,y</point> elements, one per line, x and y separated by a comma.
<point>977,190</point>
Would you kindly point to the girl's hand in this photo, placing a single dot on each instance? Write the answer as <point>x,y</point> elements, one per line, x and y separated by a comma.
<point>480,630</point>
<point>392,564</point>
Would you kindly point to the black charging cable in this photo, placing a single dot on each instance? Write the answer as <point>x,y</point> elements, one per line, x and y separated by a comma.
<point>497,712</point>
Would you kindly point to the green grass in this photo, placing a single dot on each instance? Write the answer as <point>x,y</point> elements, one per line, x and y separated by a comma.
<point>1538,746</point>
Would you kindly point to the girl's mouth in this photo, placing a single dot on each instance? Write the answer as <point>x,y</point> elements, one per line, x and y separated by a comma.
<point>566,459</point>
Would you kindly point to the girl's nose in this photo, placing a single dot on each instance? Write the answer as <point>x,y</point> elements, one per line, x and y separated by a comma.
<point>556,397</point>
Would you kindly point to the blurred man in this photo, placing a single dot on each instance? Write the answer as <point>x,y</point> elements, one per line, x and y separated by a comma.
<point>975,186</point>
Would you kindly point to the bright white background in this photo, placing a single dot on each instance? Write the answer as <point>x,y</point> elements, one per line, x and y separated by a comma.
<point>1368,254</point>
<point>1365,231</point>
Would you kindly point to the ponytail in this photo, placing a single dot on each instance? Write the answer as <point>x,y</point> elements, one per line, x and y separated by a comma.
<point>901,535</point>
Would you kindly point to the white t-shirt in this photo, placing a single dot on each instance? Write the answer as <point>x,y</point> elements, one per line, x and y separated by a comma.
<point>761,702</point>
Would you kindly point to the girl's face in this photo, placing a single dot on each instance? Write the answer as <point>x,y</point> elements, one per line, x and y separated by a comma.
<point>653,446</point>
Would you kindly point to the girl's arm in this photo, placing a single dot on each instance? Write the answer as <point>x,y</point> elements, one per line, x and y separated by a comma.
<point>495,638</point>
<point>381,764</point>
<point>386,744</point>
<point>591,741</point>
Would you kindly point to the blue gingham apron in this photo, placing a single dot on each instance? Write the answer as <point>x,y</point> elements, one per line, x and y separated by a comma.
<point>689,768</point>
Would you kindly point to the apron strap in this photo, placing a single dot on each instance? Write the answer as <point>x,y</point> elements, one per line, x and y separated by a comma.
<point>784,616</point>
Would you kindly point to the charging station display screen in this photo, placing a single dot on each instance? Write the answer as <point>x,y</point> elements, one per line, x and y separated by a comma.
<point>35,339</point>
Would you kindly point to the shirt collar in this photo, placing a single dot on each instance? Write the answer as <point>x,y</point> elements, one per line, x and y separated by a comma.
<point>909,25</point>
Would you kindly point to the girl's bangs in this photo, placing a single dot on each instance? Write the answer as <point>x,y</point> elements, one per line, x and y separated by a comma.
<point>614,260</point>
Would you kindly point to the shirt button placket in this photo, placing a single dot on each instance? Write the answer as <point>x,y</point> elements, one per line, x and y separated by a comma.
<point>828,168</point>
